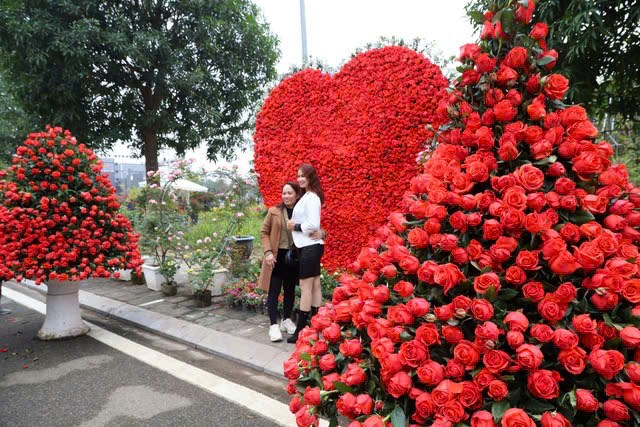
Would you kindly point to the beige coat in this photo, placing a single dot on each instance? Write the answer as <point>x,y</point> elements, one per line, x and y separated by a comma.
<point>270,239</point>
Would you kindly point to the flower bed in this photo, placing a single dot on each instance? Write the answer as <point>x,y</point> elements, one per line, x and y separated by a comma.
<point>505,290</point>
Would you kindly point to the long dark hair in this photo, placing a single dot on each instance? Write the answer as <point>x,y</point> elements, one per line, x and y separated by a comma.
<point>313,182</point>
<point>295,187</point>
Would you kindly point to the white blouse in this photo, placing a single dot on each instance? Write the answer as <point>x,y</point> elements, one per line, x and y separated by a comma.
<point>307,213</point>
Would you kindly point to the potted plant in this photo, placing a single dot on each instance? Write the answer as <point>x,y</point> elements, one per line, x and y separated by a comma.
<point>168,271</point>
<point>60,224</point>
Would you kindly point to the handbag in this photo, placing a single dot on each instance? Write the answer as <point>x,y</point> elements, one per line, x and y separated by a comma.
<point>291,256</point>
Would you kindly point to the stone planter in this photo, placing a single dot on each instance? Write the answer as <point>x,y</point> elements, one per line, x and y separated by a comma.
<point>63,318</point>
<point>245,244</point>
<point>153,277</point>
<point>202,298</point>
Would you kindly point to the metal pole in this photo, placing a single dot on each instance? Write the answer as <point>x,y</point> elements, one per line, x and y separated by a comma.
<point>3,311</point>
<point>303,32</point>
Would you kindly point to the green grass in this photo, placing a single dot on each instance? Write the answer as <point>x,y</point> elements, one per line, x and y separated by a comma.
<point>217,221</point>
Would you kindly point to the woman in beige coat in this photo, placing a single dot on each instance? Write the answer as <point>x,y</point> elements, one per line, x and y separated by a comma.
<point>276,275</point>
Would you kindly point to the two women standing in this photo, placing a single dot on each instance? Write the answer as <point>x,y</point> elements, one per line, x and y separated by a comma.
<point>286,225</point>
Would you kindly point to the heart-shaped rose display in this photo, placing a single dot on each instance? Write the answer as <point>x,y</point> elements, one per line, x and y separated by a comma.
<point>361,128</point>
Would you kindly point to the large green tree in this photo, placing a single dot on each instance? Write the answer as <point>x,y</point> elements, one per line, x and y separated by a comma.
<point>598,42</point>
<point>153,73</point>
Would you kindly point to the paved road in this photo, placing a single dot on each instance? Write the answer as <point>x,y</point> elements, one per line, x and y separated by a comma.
<point>82,382</point>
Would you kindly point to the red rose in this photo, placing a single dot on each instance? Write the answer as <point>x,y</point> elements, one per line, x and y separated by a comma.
<point>497,390</point>
<point>492,230</point>
<point>606,362</point>
<point>418,238</point>
<point>504,111</point>
<point>418,307</point>
<point>544,384</point>
<point>403,288</point>
<point>409,264</point>
<point>466,353</point>
<point>425,406</point>
<point>555,86</point>
<point>573,360</point>
<point>541,332</point>
<point>448,276</point>
<point>590,256</point>
<point>496,361</point>
<point>515,275</point>
<point>485,63</point>
<point>482,419</point>
<point>413,353</point>
<point>527,260</point>
<point>332,333</point>
<point>351,348</point>
<point>354,375</point>
<point>539,31</point>
<point>516,417</point>
<point>516,57</point>
<point>304,418</point>
<point>327,362</point>
<point>565,339</point>
<point>399,384</point>
<point>506,76</point>
<point>482,309</point>
<point>471,395</point>
<point>346,405</point>
<point>452,411</point>
<point>564,263</point>
<point>586,401</point>
<point>583,323</point>
<point>533,290</point>
<point>312,396</point>
<point>428,334</point>
<point>364,404</point>
<point>616,410</point>
<point>630,336</point>
<point>515,339</point>
<point>485,281</point>
<point>551,310</point>
<point>530,177</point>
<point>400,315</point>
<point>529,356</point>
<point>430,373</point>
<point>554,419</point>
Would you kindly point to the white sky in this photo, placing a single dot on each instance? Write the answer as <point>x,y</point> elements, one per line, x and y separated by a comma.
<point>336,28</point>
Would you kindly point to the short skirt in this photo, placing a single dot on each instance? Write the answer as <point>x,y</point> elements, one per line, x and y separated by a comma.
<point>310,260</point>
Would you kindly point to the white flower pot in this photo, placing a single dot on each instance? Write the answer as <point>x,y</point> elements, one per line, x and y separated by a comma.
<point>219,279</point>
<point>153,277</point>
<point>63,318</point>
<point>125,275</point>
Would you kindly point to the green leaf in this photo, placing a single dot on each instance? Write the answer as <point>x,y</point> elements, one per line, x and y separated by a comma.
<point>507,18</point>
<point>477,16</point>
<point>547,59</point>
<point>305,356</point>
<point>499,408</point>
<point>507,294</point>
<point>583,216</point>
<point>342,387</point>
<point>398,418</point>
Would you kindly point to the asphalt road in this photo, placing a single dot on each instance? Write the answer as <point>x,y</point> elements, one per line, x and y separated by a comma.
<point>82,382</point>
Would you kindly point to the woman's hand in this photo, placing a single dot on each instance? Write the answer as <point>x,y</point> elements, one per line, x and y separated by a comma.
<point>291,224</point>
<point>270,260</point>
<point>316,235</point>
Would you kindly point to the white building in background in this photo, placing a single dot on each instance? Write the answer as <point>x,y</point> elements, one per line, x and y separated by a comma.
<point>124,175</point>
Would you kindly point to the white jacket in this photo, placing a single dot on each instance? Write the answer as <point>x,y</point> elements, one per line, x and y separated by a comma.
<point>307,213</point>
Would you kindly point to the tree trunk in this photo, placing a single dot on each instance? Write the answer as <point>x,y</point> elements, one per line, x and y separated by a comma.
<point>150,141</point>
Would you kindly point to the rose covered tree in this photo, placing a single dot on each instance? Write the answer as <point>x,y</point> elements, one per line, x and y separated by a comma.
<point>505,291</point>
<point>59,223</point>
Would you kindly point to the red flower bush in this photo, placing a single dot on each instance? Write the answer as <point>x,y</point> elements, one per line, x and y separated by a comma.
<point>59,215</point>
<point>505,291</point>
<point>362,129</point>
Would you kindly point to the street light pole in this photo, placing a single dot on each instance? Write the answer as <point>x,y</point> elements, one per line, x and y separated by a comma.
<point>303,32</point>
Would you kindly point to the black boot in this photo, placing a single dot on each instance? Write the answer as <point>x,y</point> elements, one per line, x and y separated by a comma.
<point>314,311</point>
<point>303,316</point>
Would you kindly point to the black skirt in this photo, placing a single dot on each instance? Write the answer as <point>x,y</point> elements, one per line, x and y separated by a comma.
<point>310,260</point>
<point>283,271</point>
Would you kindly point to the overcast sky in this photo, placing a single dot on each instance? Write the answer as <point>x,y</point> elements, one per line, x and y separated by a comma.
<point>336,28</point>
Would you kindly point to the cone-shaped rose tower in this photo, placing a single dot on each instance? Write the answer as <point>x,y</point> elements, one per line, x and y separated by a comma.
<point>504,289</point>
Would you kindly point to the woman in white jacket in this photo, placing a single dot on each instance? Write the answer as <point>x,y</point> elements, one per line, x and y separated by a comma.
<point>306,220</point>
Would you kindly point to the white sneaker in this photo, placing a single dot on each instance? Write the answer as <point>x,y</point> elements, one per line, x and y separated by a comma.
<point>288,326</point>
<point>274,333</point>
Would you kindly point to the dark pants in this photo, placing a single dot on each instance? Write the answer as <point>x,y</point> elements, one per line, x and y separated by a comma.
<point>276,285</point>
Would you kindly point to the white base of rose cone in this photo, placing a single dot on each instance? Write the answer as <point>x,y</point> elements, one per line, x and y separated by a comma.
<point>63,318</point>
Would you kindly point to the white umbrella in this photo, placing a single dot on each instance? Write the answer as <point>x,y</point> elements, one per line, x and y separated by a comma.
<point>190,186</point>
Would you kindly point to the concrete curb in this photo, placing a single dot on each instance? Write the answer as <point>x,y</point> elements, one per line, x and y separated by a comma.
<point>258,356</point>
